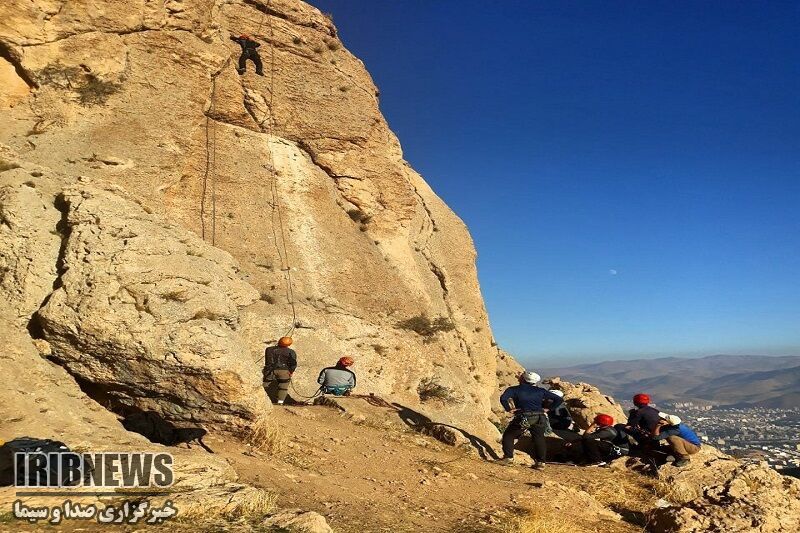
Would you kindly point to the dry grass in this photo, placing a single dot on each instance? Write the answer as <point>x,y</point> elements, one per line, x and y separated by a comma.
<point>266,436</point>
<point>246,502</point>
<point>676,491</point>
<point>431,389</point>
<point>540,521</point>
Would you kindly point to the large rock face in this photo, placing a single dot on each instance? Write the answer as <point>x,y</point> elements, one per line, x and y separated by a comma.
<point>294,174</point>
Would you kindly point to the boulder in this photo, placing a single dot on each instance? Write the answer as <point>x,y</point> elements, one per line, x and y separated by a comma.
<point>751,497</point>
<point>298,521</point>
<point>585,401</point>
<point>146,315</point>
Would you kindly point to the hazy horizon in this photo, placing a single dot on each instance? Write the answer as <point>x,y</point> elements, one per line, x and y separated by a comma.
<point>567,362</point>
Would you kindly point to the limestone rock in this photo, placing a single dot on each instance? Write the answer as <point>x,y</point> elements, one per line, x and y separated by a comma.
<point>298,521</point>
<point>585,401</point>
<point>751,497</point>
<point>146,314</point>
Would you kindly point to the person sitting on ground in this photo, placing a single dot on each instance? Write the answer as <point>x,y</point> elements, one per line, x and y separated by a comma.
<point>681,440</point>
<point>602,442</point>
<point>249,51</point>
<point>525,402</point>
<point>559,417</point>
<point>338,380</point>
<point>642,420</point>
<point>280,362</point>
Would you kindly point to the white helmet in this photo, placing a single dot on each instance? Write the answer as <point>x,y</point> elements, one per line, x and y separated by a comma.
<point>672,419</point>
<point>558,393</point>
<point>529,376</point>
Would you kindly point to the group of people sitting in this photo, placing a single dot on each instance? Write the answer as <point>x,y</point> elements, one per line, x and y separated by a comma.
<point>280,362</point>
<point>647,433</point>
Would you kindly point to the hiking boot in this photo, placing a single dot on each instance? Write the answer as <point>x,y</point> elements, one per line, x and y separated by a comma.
<point>538,465</point>
<point>505,461</point>
<point>680,463</point>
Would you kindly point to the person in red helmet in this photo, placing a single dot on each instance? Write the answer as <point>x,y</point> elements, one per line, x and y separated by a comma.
<point>642,419</point>
<point>338,380</point>
<point>280,363</point>
<point>602,442</point>
<point>249,51</point>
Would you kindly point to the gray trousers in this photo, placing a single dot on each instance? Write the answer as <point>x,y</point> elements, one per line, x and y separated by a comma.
<point>276,383</point>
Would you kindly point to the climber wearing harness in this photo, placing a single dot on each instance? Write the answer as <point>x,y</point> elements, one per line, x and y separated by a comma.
<point>280,363</point>
<point>525,402</point>
<point>602,442</point>
<point>642,420</point>
<point>559,417</point>
<point>338,380</point>
<point>249,51</point>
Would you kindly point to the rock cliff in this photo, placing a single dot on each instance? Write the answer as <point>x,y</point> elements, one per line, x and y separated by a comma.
<point>294,174</point>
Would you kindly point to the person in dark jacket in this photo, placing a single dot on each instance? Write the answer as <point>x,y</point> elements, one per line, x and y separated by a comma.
<point>603,442</point>
<point>642,420</point>
<point>249,51</point>
<point>681,440</point>
<point>525,401</point>
<point>559,417</point>
<point>338,380</point>
<point>280,363</point>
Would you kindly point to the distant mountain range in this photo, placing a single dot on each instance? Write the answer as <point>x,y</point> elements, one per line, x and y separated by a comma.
<point>728,380</point>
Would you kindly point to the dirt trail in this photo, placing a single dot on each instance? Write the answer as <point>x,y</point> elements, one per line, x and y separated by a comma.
<point>367,473</point>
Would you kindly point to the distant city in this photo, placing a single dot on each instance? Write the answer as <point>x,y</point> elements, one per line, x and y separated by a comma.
<point>769,434</point>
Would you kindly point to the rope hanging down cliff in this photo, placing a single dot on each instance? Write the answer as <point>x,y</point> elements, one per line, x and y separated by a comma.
<point>279,237</point>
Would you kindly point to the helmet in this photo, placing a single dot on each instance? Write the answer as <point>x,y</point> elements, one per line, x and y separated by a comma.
<point>529,376</point>
<point>244,36</point>
<point>672,419</point>
<point>604,420</point>
<point>346,361</point>
<point>641,399</point>
<point>557,393</point>
<point>285,342</point>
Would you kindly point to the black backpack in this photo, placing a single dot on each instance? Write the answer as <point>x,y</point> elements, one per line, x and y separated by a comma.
<point>29,445</point>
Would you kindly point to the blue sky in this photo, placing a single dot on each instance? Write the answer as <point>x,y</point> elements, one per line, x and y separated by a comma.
<point>630,171</point>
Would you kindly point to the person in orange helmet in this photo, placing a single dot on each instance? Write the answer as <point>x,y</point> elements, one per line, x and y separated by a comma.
<point>280,363</point>
<point>249,51</point>
<point>338,380</point>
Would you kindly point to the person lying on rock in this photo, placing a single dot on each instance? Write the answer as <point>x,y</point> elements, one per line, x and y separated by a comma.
<point>681,441</point>
<point>280,362</point>
<point>602,442</point>
<point>525,401</point>
<point>249,51</point>
<point>338,380</point>
<point>642,421</point>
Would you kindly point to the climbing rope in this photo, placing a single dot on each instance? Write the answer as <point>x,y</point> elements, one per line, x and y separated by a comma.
<point>210,171</point>
<point>281,248</point>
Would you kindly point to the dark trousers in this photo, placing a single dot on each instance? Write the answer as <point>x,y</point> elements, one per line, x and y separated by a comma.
<point>597,450</point>
<point>538,424</point>
<point>253,56</point>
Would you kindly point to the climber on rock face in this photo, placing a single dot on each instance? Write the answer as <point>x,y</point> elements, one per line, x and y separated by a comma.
<point>681,440</point>
<point>525,401</point>
<point>280,363</point>
<point>249,51</point>
<point>338,380</point>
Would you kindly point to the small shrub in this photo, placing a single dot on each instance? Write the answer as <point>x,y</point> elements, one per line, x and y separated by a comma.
<point>318,49</point>
<point>333,45</point>
<point>431,389</point>
<point>380,349</point>
<point>266,297</point>
<point>297,40</point>
<point>426,327</point>
<point>96,91</point>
